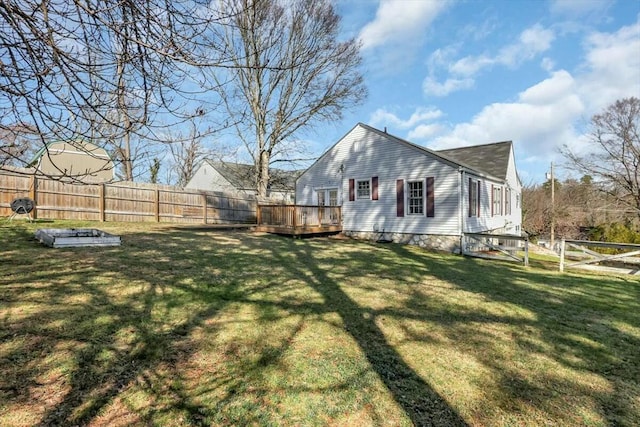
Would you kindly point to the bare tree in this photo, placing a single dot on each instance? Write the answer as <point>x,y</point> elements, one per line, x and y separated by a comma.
<point>18,145</point>
<point>186,153</point>
<point>288,72</point>
<point>613,159</point>
<point>114,72</point>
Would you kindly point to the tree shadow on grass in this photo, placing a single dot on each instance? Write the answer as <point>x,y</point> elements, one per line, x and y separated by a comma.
<point>77,341</point>
<point>584,323</point>
<point>420,402</point>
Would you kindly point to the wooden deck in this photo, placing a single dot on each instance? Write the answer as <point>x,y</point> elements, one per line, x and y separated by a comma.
<point>299,220</point>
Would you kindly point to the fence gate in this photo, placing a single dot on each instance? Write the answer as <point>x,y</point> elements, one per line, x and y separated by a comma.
<point>577,253</point>
<point>504,247</point>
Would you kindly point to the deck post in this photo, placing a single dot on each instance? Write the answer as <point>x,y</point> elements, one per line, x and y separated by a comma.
<point>295,214</point>
<point>526,251</point>
<point>259,214</point>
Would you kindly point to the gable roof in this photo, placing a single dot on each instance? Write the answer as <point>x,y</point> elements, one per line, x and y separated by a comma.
<point>457,160</point>
<point>242,176</point>
<point>492,159</point>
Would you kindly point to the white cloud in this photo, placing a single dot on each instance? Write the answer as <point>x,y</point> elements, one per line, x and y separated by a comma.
<point>539,121</point>
<point>381,117</point>
<point>431,87</point>
<point>399,21</point>
<point>547,64</point>
<point>424,132</point>
<point>612,67</point>
<point>531,42</point>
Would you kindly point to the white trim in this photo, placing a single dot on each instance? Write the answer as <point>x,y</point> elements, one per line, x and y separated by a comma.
<point>424,196</point>
<point>357,181</point>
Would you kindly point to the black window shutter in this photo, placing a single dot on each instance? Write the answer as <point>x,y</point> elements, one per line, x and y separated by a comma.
<point>478,198</point>
<point>374,188</point>
<point>431,208</point>
<point>470,198</point>
<point>400,197</point>
<point>352,190</point>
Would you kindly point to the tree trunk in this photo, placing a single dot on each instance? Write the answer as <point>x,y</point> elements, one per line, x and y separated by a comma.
<point>262,172</point>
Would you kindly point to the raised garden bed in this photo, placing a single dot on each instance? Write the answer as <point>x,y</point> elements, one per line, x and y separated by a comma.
<point>72,237</point>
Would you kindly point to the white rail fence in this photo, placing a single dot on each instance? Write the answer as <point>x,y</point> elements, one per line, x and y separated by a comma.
<point>581,254</point>
<point>496,246</point>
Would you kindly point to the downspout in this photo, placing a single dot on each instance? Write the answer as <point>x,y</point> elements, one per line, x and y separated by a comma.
<point>460,209</point>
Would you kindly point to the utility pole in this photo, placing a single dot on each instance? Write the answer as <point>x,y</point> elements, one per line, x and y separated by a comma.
<point>553,208</point>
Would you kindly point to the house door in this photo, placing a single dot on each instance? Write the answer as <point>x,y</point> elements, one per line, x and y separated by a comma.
<point>333,201</point>
<point>322,198</point>
<point>327,197</point>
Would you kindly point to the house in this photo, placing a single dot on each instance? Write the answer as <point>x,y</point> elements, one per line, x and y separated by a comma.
<point>240,178</point>
<point>392,189</point>
<point>77,160</point>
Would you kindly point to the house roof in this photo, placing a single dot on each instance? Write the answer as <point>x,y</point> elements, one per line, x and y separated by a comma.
<point>458,159</point>
<point>243,176</point>
<point>492,159</point>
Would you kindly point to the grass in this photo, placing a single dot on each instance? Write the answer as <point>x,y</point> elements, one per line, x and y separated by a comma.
<point>199,327</point>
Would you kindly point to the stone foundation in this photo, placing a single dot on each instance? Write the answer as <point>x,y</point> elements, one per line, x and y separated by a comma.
<point>428,241</point>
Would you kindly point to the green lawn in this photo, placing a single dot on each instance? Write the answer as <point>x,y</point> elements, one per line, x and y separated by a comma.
<point>200,327</point>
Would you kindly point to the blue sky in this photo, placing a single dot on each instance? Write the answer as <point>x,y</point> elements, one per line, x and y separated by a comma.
<point>446,74</point>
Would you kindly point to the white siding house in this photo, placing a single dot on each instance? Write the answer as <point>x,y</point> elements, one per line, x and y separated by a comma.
<point>239,178</point>
<point>392,189</point>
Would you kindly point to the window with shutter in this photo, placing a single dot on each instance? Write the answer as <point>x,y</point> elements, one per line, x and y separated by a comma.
<point>415,197</point>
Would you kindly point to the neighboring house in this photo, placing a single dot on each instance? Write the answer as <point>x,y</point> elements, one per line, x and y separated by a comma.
<point>239,178</point>
<point>80,160</point>
<point>392,189</point>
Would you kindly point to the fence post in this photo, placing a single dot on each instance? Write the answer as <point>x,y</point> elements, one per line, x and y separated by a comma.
<point>259,214</point>
<point>33,194</point>
<point>526,251</point>
<point>101,203</point>
<point>204,208</point>
<point>562,245</point>
<point>157,204</point>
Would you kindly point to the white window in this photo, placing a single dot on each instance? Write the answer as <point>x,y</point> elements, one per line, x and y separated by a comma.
<point>415,197</point>
<point>497,201</point>
<point>333,197</point>
<point>474,194</point>
<point>363,189</point>
<point>507,201</point>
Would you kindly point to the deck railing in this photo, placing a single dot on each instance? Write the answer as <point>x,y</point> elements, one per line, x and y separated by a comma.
<point>294,216</point>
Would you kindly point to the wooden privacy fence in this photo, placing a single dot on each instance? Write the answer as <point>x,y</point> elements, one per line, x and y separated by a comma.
<point>125,202</point>
<point>496,246</point>
<point>299,219</point>
<point>580,254</point>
